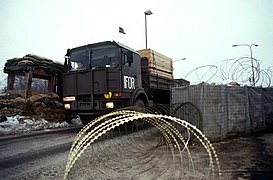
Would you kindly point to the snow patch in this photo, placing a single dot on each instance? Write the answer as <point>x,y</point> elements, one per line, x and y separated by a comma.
<point>22,124</point>
<point>77,121</point>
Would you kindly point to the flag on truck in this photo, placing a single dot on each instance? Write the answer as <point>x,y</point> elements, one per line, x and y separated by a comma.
<point>121,30</point>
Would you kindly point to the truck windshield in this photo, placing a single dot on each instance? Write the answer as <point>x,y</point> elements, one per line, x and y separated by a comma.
<point>95,57</point>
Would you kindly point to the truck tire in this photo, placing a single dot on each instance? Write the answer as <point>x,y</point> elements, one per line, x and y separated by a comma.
<point>139,102</point>
<point>139,123</point>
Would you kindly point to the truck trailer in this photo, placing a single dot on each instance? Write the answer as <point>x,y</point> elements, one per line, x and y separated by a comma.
<point>105,76</point>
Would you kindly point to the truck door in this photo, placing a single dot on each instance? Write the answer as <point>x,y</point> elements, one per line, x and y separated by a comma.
<point>131,74</point>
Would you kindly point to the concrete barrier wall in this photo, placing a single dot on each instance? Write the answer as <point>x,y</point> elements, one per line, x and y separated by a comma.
<point>227,110</point>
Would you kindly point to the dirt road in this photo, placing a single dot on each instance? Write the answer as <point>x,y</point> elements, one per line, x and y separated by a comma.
<point>240,158</point>
<point>247,157</point>
<point>132,157</point>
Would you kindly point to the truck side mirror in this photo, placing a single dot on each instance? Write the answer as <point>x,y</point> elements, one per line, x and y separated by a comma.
<point>67,64</point>
<point>68,52</point>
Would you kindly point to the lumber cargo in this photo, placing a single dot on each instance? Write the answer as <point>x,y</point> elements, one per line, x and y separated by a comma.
<point>158,64</point>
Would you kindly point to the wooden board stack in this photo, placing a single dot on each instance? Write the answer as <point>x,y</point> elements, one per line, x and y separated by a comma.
<point>158,64</point>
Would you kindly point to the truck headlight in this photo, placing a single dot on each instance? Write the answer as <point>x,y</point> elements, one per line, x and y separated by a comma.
<point>109,105</point>
<point>69,98</point>
<point>66,106</point>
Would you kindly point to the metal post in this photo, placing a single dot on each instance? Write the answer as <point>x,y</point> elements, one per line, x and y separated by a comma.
<point>252,67</point>
<point>146,13</point>
<point>251,58</point>
<point>146,30</point>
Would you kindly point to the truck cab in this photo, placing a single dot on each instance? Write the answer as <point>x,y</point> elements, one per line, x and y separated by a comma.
<point>101,77</point>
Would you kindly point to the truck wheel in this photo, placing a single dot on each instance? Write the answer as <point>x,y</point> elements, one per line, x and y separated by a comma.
<point>139,102</point>
<point>139,123</point>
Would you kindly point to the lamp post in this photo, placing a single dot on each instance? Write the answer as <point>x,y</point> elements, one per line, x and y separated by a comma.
<point>252,67</point>
<point>146,13</point>
<point>182,59</point>
<point>179,59</point>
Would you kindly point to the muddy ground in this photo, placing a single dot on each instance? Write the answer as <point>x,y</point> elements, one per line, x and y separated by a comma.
<point>146,156</point>
<point>248,157</point>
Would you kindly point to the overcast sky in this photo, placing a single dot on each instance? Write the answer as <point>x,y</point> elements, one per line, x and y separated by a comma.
<point>202,31</point>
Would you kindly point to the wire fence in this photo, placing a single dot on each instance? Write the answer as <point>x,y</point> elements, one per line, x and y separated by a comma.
<point>239,70</point>
<point>227,110</point>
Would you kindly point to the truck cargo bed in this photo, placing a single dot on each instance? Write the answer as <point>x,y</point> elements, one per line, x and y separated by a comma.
<point>151,82</point>
<point>156,63</point>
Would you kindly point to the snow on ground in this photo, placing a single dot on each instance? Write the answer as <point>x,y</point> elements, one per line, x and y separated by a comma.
<point>22,124</point>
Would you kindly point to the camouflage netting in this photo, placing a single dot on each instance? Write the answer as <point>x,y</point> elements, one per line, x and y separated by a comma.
<point>30,61</point>
<point>41,106</point>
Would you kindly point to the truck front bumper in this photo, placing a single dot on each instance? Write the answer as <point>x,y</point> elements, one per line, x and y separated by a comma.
<point>97,105</point>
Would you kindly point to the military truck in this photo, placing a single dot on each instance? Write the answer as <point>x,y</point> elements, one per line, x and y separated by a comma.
<point>104,76</point>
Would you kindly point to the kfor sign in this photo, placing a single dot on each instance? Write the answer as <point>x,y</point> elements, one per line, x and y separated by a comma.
<point>129,82</point>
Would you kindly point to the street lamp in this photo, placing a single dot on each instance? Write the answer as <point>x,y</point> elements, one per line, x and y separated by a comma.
<point>252,67</point>
<point>146,13</point>
<point>179,59</point>
<point>182,59</point>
